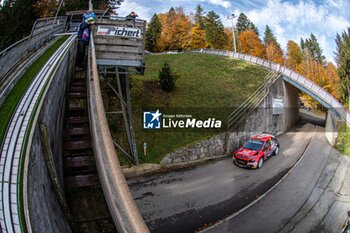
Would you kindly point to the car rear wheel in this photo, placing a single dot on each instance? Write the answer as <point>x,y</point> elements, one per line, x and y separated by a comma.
<point>277,150</point>
<point>261,162</point>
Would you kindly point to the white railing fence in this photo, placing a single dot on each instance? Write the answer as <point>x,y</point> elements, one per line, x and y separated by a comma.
<point>43,31</point>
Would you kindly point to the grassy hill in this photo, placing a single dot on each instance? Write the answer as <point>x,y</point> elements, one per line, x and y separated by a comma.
<point>206,86</point>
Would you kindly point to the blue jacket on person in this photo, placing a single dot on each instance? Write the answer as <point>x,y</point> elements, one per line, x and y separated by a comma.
<point>87,15</point>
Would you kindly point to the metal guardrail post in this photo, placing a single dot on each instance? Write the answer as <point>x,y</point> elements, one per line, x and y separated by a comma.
<point>10,56</point>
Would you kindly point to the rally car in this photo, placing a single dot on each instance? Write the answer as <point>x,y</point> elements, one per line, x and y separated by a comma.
<point>346,227</point>
<point>256,150</point>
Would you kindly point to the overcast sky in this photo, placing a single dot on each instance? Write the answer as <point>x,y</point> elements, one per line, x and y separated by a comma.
<point>289,20</point>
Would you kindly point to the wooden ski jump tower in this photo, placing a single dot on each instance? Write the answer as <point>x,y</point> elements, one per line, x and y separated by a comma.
<point>120,42</point>
<point>119,46</point>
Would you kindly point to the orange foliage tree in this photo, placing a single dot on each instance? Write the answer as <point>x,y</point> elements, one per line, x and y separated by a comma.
<point>250,43</point>
<point>176,32</point>
<point>294,56</point>
<point>197,37</point>
<point>274,53</point>
<point>324,75</point>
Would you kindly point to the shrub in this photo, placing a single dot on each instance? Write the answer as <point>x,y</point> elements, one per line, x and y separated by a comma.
<point>166,78</point>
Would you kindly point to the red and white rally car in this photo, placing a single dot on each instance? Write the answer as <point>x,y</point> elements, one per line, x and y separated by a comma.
<point>256,150</point>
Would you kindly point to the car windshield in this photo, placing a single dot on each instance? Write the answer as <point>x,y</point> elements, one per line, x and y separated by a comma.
<point>253,145</point>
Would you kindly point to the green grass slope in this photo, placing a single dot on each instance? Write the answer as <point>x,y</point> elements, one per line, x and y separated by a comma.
<point>343,140</point>
<point>206,86</point>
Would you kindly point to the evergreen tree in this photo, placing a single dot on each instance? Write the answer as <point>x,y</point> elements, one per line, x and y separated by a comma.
<point>274,51</point>
<point>166,78</point>
<point>171,15</point>
<point>343,61</point>
<point>313,48</point>
<point>199,16</point>
<point>152,33</point>
<point>269,37</point>
<point>254,28</point>
<point>302,44</point>
<point>16,21</point>
<point>214,30</point>
<point>243,24</point>
<point>316,49</point>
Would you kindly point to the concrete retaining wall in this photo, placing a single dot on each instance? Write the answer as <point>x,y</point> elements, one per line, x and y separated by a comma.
<point>260,120</point>
<point>44,210</point>
<point>331,132</point>
<point>212,147</point>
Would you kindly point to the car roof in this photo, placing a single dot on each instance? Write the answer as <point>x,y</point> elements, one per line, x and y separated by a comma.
<point>262,137</point>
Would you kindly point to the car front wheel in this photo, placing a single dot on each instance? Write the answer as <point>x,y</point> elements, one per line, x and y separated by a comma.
<point>261,162</point>
<point>277,150</point>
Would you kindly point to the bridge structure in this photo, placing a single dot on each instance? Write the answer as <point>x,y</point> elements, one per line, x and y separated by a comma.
<point>300,82</point>
<point>116,46</point>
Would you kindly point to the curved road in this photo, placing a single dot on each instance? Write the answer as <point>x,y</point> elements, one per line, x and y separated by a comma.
<point>184,201</point>
<point>301,203</point>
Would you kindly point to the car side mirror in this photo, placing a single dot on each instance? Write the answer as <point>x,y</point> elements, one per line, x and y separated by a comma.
<point>348,213</point>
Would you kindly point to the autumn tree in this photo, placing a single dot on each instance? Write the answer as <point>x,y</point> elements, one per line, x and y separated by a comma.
<point>176,33</point>
<point>152,33</point>
<point>243,24</point>
<point>294,56</point>
<point>332,80</point>
<point>312,56</point>
<point>214,31</point>
<point>198,37</point>
<point>343,62</point>
<point>309,61</point>
<point>274,51</point>
<point>251,44</point>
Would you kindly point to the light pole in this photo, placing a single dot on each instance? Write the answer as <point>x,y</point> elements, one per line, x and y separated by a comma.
<point>233,32</point>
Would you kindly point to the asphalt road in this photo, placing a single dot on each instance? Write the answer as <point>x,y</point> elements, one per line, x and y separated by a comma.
<point>275,210</point>
<point>186,200</point>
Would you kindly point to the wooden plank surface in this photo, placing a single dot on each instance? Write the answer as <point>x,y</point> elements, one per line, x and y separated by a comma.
<point>112,40</point>
<point>77,145</point>
<point>118,56</point>
<point>118,48</point>
<point>81,181</point>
